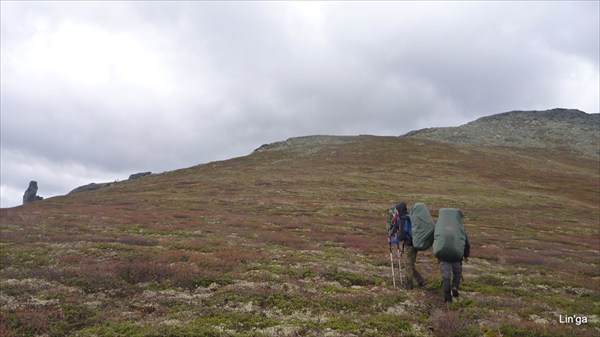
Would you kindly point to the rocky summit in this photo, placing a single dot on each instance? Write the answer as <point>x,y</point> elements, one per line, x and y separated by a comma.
<point>557,129</point>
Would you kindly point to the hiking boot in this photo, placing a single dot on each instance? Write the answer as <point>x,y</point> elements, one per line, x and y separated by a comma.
<point>422,284</point>
<point>455,292</point>
<point>447,298</point>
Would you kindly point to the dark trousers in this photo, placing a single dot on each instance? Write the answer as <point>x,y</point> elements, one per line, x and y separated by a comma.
<point>450,271</point>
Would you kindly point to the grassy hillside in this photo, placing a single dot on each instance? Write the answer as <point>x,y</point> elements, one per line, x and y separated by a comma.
<point>291,241</point>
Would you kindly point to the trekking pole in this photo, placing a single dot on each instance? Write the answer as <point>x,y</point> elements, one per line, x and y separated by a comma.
<point>392,262</point>
<point>399,264</point>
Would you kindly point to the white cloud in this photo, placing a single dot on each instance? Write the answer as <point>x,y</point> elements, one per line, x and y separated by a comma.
<point>99,90</point>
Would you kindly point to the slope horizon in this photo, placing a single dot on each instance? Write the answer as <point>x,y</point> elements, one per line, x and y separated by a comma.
<point>428,133</point>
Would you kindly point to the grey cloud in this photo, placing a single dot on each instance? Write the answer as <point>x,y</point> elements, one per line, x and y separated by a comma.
<point>135,86</point>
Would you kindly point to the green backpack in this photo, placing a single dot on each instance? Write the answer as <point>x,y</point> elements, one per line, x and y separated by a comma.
<point>450,237</point>
<point>422,226</point>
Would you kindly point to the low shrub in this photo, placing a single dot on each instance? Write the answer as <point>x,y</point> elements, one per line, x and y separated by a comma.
<point>447,323</point>
<point>351,279</point>
<point>144,271</point>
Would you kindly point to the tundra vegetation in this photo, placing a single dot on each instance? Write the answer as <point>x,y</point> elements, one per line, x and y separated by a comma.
<point>291,241</point>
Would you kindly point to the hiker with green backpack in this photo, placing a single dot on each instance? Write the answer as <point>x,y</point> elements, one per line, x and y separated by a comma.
<point>451,246</point>
<point>418,231</point>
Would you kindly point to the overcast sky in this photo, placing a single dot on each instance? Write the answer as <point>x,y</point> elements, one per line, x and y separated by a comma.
<point>96,91</point>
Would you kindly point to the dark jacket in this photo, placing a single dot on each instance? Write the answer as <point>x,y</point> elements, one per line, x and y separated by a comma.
<point>467,247</point>
<point>402,217</point>
<point>403,236</point>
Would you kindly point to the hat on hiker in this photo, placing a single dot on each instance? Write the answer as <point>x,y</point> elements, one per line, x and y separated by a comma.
<point>401,207</point>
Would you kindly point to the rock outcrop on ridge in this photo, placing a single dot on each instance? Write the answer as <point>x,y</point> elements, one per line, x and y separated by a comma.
<point>31,193</point>
<point>560,129</point>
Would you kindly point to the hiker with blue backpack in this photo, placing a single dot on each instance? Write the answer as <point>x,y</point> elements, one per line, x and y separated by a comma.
<point>402,232</point>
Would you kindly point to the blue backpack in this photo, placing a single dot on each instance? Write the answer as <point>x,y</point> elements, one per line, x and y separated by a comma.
<point>402,233</point>
<point>407,227</point>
